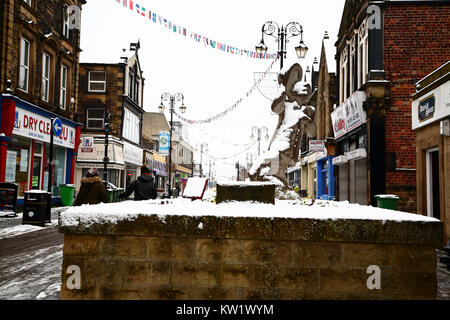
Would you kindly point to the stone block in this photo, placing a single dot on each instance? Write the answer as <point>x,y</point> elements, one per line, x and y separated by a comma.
<point>246,192</point>
<point>296,278</point>
<point>220,250</point>
<point>245,228</point>
<point>342,279</point>
<point>354,230</point>
<point>364,255</point>
<point>417,284</point>
<point>242,276</point>
<point>81,245</point>
<point>195,274</point>
<point>316,253</point>
<point>267,294</point>
<point>127,248</point>
<point>299,229</point>
<point>257,251</point>
<point>147,273</point>
<point>415,258</point>
<point>409,232</point>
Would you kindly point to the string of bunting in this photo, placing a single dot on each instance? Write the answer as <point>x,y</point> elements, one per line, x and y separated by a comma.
<point>237,103</point>
<point>224,141</point>
<point>176,28</point>
<point>233,156</point>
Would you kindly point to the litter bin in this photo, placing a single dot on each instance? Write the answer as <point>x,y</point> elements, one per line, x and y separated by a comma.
<point>119,191</point>
<point>387,201</point>
<point>110,193</point>
<point>67,192</point>
<point>36,207</point>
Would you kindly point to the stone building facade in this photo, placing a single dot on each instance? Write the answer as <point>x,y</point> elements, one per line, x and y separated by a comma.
<point>112,93</point>
<point>39,66</point>
<point>383,49</point>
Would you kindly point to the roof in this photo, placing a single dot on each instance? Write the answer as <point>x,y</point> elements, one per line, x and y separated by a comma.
<point>153,123</point>
<point>330,53</point>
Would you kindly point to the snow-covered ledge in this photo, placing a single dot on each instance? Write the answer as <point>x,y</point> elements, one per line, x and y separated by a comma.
<point>200,250</point>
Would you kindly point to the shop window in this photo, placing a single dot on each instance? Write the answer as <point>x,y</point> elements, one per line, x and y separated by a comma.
<point>97,81</point>
<point>63,88</point>
<point>24,72</point>
<point>17,163</point>
<point>59,170</point>
<point>45,76</point>
<point>95,118</point>
<point>362,141</point>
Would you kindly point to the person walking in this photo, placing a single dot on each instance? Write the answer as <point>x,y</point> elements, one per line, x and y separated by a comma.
<point>92,190</point>
<point>143,187</point>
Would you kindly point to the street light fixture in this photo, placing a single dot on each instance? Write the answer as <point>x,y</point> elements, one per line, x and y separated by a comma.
<point>171,98</point>
<point>281,35</point>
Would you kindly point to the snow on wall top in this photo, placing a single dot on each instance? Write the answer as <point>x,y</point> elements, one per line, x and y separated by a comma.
<point>245,183</point>
<point>323,210</point>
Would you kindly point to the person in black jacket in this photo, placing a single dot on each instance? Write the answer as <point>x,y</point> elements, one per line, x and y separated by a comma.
<point>143,187</point>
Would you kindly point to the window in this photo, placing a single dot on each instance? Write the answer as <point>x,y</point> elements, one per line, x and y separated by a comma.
<point>24,64</point>
<point>352,65</point>
<point>363,57</point>
<point>63,90</point>
<point>343,76</point>
<point>134,84</point>
<point>45,76</point>
<point>131,126</point>
<point>97,81</point>
<point>95,118</point>
<point>66,22</point>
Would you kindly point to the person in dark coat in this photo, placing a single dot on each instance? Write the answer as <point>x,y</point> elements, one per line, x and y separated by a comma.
<point>143,187</point>
<point>92,190</point>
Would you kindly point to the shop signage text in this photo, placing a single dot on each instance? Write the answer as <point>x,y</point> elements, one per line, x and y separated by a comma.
<point>87,144</point>
<point>316,145</point>
<point>164,142</point>
<point>349,115</point>
<point>426,108</point>
<point>432,106</point>
<point>132,154</point>
<point>31,125</point>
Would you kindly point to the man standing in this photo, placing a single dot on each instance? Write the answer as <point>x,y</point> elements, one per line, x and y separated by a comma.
<point>143,187</point>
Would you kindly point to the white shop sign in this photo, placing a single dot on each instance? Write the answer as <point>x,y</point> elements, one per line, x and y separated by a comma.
<point>132,154</point>
<point>424,112</point>
<point>349,115</point>
<point>337,161</point>
<point>316,145</point>
<point>356,154</point>
<point>34,126</point>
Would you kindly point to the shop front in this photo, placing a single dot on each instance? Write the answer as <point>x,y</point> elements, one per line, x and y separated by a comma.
<point>133,157</point>
<point>431,122</point>
<point>25,145</point>
<point>349,126</point>
<point>294,175</point>
<point>91,153</point>
<point>181,175</point>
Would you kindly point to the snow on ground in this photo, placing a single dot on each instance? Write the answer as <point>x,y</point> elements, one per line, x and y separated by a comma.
<point>128,210</point>
<point>23,228</point>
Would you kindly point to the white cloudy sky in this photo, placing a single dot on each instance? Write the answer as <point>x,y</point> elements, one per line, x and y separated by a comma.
<point>210,80</point>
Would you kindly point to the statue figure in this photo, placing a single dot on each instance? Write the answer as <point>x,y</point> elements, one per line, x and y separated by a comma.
<point>294,118</point>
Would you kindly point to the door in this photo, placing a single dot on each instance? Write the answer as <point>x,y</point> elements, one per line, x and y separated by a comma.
<point>433,196</point>
<point>343,182</point>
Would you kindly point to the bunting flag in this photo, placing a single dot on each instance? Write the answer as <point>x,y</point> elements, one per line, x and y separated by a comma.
<point>224,113</point>
<point>233,156</point>
<point>196,37</point>
<point>224,141</point>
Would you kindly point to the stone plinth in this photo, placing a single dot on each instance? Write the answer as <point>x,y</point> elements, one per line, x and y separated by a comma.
<point>263,192</point>
<point>210,257</point>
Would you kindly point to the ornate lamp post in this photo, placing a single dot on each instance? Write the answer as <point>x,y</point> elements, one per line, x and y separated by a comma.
<point>172,99</point>
<point>292,29</point>
<point>259,131</point>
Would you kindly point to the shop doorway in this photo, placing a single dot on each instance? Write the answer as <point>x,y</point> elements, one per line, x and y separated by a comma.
<point>36,177</point>
<point>433,198</point>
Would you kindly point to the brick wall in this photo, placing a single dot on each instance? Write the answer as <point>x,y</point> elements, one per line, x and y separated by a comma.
<point>415,43</point>
<point>250,258</point>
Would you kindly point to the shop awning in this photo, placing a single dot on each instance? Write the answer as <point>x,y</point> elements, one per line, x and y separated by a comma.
<point>95,154</point>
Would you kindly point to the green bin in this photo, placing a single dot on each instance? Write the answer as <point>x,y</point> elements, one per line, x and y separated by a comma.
<point>387,201</point>
<point>67,192</point>
<point>110,193</point>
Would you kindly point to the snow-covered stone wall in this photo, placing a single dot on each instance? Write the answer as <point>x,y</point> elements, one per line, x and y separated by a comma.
<point>243,255</point>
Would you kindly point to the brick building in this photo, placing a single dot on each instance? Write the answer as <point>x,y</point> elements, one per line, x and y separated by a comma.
<point>114,90</point>
<point>383,49</point>
<point>39,55</point>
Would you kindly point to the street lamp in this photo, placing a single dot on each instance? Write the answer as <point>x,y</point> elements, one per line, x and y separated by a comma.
<point>203,148</point>
<point>167,97</point>
<point>259,131</point>
<point>282,35</point>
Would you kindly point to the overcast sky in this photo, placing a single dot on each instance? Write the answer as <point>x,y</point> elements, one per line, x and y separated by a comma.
<point>210,80</point>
